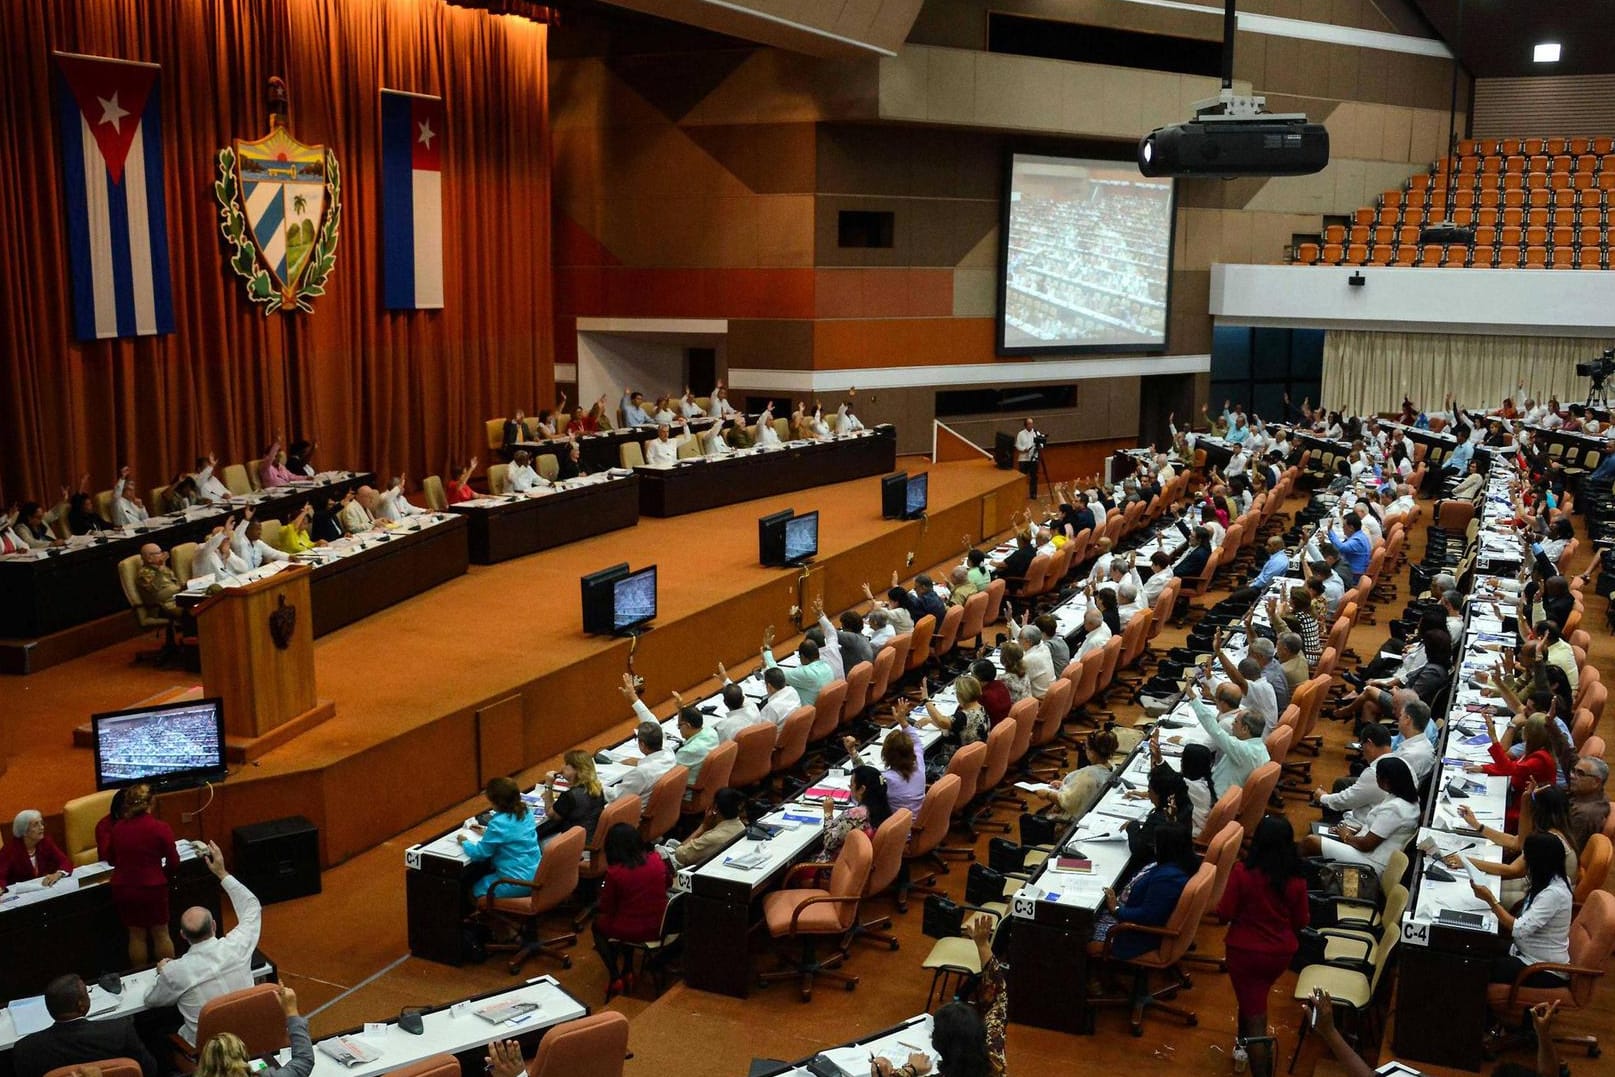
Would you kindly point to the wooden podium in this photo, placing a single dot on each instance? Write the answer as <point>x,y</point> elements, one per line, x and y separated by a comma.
<point>257,644</point>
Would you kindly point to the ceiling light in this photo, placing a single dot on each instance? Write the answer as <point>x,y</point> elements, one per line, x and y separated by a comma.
<point>1546,53</point>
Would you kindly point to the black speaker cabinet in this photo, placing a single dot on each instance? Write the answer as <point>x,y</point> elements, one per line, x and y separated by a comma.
<point>278,860</point>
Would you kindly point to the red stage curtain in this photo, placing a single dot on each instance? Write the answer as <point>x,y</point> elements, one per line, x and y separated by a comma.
<point>388,391</point>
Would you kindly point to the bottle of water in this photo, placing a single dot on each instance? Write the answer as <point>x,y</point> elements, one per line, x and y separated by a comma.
<point>1241,1057</point>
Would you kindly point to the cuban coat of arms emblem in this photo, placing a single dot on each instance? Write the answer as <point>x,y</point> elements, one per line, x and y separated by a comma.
<point>280,212</point>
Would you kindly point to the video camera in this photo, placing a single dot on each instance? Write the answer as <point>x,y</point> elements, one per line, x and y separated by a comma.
<point>1599,368</point>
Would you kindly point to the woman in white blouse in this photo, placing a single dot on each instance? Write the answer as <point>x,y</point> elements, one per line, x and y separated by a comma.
<point>1386,827</point>
<point>1542,929</point>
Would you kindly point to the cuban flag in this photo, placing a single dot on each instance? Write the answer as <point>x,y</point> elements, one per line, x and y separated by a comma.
<point>412,200</point>
<point>117,224</point>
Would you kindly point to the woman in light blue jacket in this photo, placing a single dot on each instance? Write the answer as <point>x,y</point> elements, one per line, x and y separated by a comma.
<point>509,843</point>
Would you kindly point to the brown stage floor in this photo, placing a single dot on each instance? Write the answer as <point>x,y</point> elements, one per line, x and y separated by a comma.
<point>490,673</point>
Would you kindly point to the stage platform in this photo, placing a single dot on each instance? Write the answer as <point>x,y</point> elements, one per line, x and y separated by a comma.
<point>490,673</point>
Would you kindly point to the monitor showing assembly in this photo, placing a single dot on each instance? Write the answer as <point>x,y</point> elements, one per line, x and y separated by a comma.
<point>1086,257</point>
<point>633,600</point>
<point>916,496</point>
<point>801,538</point>
<point>173,746</point>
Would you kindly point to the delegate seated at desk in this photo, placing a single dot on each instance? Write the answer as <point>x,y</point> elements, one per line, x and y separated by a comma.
<point>213,965</point>
<point>226,1056</point>
<point>653,761</point>
<point>508,844</point>
<point>72,1039</point>
<point>31,855</point>
<point>581,803</point>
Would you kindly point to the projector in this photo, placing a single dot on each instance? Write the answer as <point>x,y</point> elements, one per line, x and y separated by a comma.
<point>1232,136</point>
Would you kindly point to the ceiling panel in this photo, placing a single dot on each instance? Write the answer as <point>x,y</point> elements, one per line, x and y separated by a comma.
<point>1496,37</point>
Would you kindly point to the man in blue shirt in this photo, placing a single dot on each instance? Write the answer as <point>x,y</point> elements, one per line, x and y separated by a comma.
<point>1605,471</point>
<point>1276,565</point>
<point>633,408</point>
<point>1457,461</point>
<point>1354,546</point>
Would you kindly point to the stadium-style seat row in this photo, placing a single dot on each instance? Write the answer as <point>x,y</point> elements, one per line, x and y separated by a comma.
<point>1534,203</point>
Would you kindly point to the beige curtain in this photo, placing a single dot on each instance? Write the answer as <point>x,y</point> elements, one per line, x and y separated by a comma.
<point>1364,373</point>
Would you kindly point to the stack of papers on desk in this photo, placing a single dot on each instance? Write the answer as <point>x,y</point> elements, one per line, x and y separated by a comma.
<point>29,1015</point>
<point>499,1013</point>
<point>753,858</point>
<point>350,1051</point>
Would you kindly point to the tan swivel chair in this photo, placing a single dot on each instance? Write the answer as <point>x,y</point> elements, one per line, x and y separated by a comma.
<point>183,558</point>
<point>689,447</point>
<point>548,466</point>
<point>235,480</point>
<point>495,430</point>
<point>809,917</point>
<point>103,504</point>
<point>593,1046</point>
<point>1175,936</point>
<point>947,633</point>
<point>930,828</point>
<point>754,755</point>
<point>891,838</point>
<point>901,644</point>
<point>497,483</point>
<point>253,1014</point>
<point>793,740</point>
<point>629,454</point>
<point>919,647</point>
<point>995,600</point>
<point>716,769</point>
<point>147,617</point>
<point>79,818</point>
<point>551,885</point>
<point>666,796</point>
<point>436,499</point>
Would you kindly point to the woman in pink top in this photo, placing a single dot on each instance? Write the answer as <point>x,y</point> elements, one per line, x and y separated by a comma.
<point>274,471</point>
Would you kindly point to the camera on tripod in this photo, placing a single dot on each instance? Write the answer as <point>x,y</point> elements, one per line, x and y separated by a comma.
<point>1599,368</point>
<point>1040,439</point>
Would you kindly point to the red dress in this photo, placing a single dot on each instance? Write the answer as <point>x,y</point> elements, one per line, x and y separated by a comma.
<point>143,856</point>
<point>1539,765</point>
<point>633,900</point>
<point>460,491</point>
<point>1261,933</point>
<point>15,867</point>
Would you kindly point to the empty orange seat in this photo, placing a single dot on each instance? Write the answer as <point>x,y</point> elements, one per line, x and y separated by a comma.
<point>1509,235</point>
<point>1577,144</point>
<point>1513,163</point>
<point>1357,254</point>
<point>1508,257</point>
<point>1558,150</point>
<point>1606,180</point>
<point>1539,196</point>
<point>1407,236</point>
<point>1490,166</point>
<point>1564,200</point>
<point>1463,216</point>
<point>1536,257</point>
<point>1467,147</point>
<point>1334,233</point>
<point>1513,217</point>
<point>1419,181</point>
<point>1380,255</point>
<point>1591,235</point>
<point>1602,144</point>
<point>1485,234</point>
<point>1536,162</point>
<point>1585,181</point>
<point>1586,164</point>
<point>1536,236</point>
<point>1514,181</point>
<point>1306,253</point>
<point>1431,254</point>
<point>1481,257</point>
<point>1563,235</point>
<point>1486,216</point>
<point>1560,181</point>
<point>1508,147</point>
<point>1390,198</point>
<point>1514,198</point>
<point>1413,215</point>
<point>1536,180</point>
<point>1359,234</point>
<point>1405,255</point>
<point>1531,146</point>
<point>1590,258</point>
<point>1537,217</point>
<point>1385,236</point>
<point>1489,196</point>
<point>1331,254</point>
<point>1562,161</point>
<point>1562,258</point>
<point>1364,216</point>
<point>1486,147</point>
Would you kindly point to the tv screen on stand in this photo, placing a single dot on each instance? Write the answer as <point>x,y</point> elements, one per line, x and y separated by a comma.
<point>916,496</point>
<point>633,600</point>
<point>172,746</point>
<point>801,538</point>
<point>771,537</point>
<point>597,598</point>
<point>894,496</point>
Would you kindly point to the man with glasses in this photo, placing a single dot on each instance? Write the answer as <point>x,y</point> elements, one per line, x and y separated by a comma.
<point>1589,800</point>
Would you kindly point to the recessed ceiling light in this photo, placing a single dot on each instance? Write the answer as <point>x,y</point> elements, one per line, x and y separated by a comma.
<point>1546,53</point>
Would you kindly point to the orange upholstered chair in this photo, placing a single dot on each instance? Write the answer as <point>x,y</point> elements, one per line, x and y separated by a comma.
<point>1225,811</point>
<point>666,798</point>
<point>827,711</point>
<point>966,765</point>
<point>1176,935</point>
<point>754,755</point>
<point>551,884</point>
<point>622,810</point>
<point>1592,937</point>
<point>111,1067</point>
<point>436,1066</point>
<point>1222,851</point>
<point>880,679</point>
<point>930,828</point>
<point>1000,747</point>
<point>715,771</point>
<point>995,600</point>
<point>810,917</point>
<point>886,865</point>
<point>973,620</point>
<point>919,648</point>
<point>857,697</point>
<point>1592,867</point>
<point>793,739</point>
<point>947,633</point>
<point>1258,788</point>
<point>253,1014</point>
<point>901,644</point>
<point>593,1046</point>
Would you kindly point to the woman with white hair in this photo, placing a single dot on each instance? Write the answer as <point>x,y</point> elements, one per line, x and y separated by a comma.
<point>32,855</point>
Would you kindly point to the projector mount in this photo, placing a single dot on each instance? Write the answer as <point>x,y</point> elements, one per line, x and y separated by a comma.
<point>1229,107</point>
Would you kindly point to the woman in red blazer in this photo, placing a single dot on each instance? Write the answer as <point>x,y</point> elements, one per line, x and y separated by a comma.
<point>1537,763</point>
<point>143,856</point>
<point>32,855</point>
<point>631,902</point>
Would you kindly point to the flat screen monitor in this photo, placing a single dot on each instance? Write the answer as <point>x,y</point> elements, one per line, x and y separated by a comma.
<point>1086,257</point>
<point>597,598</point>
<point>633,600</point>
<point>771,537</point>
<point>172,746</point>
<point>801,537</point>
<point>916,495</point>
<point>893,495</point>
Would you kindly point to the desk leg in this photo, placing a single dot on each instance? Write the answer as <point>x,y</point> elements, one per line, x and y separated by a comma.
<point>434,912</point>
<point>717,934</point>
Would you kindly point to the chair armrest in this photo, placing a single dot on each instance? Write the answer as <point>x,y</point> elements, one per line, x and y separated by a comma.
<point>828,899</point>
<point>183,1049</point>
<point>1546,966</point>
<point>1137,929</point>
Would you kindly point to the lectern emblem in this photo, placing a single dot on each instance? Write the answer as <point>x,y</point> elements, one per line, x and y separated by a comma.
<point>283,624</point>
